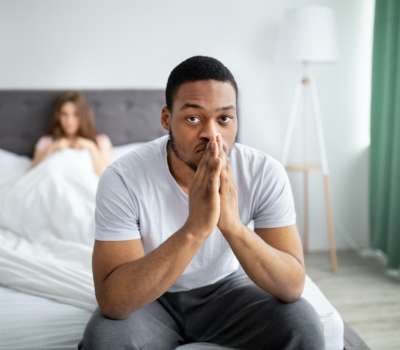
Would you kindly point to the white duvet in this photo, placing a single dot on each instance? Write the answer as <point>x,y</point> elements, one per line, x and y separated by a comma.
<point>47,226</point>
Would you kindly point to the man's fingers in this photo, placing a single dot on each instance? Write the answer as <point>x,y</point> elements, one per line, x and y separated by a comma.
<point>215,166</point>
<point>209,152</point>
<point>222,153</point>
<point>207,173</point>
<point>202,167</point>
<point>219,141</point>
<point>223,180</point>
<point>206,155</point>
<point>214,174</point>
<point>210,161</point>
<point>215,161</point>
<point>216,151</point>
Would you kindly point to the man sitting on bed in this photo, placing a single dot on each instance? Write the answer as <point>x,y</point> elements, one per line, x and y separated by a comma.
<point>174,260</point>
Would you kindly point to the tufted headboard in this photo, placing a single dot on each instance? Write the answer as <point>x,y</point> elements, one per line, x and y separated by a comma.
<point>126,116</point>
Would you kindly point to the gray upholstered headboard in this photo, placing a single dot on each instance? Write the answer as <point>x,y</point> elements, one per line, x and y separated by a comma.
<point>124,115</point>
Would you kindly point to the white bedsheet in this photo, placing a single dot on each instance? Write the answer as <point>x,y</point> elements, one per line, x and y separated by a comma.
<point>47,229</point>
<point>30,322</point>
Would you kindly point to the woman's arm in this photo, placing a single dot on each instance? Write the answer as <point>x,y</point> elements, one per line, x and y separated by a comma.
<point>42,153</point>
<point>100,155</point>
<point>39,156</point>
<point>99,160</point>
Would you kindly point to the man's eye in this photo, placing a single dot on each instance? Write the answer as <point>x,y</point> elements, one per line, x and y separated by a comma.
<point>193,119</point>
<point>225,119</point>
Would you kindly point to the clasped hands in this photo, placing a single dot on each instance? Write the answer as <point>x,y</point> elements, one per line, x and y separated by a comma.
<point>213,198</point>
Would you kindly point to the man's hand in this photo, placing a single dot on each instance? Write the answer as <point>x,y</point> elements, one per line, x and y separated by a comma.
<point>204,198</point>
<point>229,220</point>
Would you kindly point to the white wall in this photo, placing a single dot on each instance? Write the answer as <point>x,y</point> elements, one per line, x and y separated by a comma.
<point>128,44</point>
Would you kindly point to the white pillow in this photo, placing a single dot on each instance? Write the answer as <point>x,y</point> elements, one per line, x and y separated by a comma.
<point>12,166</point>
<point>119,151</point>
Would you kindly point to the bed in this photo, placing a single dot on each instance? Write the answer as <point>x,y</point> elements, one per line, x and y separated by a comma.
<point>49,312</point>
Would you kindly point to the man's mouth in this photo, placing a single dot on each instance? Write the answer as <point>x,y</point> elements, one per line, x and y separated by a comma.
<point>201,148</point>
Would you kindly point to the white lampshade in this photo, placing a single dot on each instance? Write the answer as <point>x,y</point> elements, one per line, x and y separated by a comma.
<point>309,35</point>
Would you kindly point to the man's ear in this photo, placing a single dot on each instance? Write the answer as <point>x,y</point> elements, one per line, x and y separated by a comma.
<point>165,117</point>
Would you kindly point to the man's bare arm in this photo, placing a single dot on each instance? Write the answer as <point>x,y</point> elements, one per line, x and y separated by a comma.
<point>41,155</point>
<point>132,284</point>
<point>272,258</point>
<point>129,280</point>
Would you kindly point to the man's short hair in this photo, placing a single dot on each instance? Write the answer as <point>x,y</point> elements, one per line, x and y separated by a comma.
<point>197,68</point>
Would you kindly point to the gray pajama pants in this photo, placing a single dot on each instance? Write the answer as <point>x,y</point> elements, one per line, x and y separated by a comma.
<point>232,312</point>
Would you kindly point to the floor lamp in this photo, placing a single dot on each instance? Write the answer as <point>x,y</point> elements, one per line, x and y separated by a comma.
<point>309,39</point>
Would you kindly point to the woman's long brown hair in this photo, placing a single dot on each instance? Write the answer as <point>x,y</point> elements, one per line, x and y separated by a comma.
<point>87,128</point>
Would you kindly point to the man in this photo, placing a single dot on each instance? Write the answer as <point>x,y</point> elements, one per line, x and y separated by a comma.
<point>174,260</point>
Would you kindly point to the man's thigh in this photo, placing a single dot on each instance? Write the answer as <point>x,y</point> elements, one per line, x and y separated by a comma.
<point>239,314</point>
<point>150,327</point>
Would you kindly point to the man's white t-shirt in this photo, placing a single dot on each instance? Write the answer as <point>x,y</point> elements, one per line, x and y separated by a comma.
<point>138,198</point>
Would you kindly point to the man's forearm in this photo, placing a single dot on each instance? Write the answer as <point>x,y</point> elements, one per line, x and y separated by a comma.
<point>134,284</point>
<point>274,271</point>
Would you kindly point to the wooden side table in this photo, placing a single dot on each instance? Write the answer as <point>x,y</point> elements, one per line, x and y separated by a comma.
<point>306,169</point>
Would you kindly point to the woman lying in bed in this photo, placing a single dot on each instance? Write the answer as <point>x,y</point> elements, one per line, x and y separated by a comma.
<point>73,126</point>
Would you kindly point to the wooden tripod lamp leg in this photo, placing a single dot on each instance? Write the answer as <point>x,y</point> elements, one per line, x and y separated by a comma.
<point>329,214</point>
<point>325,172</point>
<point>306,216</point>
<point>292,121</point>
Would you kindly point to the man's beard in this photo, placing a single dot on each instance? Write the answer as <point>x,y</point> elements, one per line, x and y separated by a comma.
<point>189,163</point>
<point>172,142</point>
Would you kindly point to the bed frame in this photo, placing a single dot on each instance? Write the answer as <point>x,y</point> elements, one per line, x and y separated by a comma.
<point>126,116</point>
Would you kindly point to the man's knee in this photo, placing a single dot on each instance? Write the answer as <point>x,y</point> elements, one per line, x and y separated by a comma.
<point>302,325</point>
<point>104,333</point>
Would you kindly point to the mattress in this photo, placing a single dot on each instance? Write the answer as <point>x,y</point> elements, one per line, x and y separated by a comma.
<point>32,322</point>
<point>329,316</point>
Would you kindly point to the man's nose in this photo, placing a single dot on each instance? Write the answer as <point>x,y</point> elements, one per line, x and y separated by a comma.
<point>209,131</point>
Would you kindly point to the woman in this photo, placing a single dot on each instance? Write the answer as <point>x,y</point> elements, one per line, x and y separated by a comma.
<point>73,126</point>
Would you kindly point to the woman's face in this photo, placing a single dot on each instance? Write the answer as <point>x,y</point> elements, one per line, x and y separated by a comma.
<point>69,119</point>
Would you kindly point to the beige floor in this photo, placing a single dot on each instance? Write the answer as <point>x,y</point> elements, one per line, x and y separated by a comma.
<point>367,299</point>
